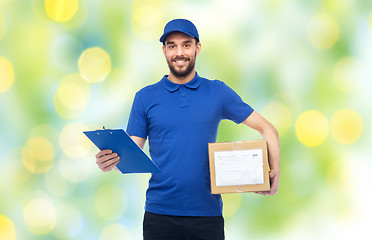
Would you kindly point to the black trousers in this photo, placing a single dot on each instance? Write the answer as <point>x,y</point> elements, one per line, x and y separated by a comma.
<point>165,227</point>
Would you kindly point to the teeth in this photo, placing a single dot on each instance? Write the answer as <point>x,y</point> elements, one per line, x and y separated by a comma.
<point>180,62</point>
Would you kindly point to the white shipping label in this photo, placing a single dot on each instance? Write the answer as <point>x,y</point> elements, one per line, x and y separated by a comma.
<point>239,167</point>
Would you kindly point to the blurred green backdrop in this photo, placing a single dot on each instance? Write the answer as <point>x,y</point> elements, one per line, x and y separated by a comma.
<point>73,65</point>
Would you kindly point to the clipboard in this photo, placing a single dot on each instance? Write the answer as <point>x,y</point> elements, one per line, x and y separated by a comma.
<point>132,158</point>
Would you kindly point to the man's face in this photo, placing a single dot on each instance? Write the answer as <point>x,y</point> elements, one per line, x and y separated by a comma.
<point>180,51</point>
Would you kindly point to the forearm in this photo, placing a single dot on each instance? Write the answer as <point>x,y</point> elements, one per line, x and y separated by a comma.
<point>270,134</point>
<point>273,147</point>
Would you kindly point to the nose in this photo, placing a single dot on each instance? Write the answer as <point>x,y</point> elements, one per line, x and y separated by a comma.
<point>179,52</point>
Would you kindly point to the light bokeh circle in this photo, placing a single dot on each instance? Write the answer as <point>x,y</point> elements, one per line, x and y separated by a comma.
<point>61,10</point>
<point>73,92</point>
<point>349,74</point>
<point>323,31</point>
<point>147,19</point>
<point>346,126</point>
<point>6,74</point>
<point>41,148</point>
<point>94,64</point>
<point>311,128</point>
<point>279,115</point>
<point>40,216</point>
<point>7,228</point>
<point>38,155</point>
<point>71,97</point>
<point>73,142</point>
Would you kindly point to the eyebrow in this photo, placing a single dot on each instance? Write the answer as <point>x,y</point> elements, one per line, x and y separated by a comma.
<point>187,41</point>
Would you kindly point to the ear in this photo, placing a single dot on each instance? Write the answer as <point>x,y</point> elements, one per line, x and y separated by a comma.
<point>198,48</point>
<point>164,50</point>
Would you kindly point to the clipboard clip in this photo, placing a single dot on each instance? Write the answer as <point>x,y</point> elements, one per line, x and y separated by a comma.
<point>103,127</point>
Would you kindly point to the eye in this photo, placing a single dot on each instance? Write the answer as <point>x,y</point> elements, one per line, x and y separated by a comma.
<point>187,45</point>
<point>171,46</point>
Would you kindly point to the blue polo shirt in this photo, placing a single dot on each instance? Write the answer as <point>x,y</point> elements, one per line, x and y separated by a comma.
<point>179,121</point>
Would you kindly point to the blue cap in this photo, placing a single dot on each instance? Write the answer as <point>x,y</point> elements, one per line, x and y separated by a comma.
<point>180,25</point>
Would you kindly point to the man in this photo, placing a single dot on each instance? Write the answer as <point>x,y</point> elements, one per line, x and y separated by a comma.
<point>180,115</point>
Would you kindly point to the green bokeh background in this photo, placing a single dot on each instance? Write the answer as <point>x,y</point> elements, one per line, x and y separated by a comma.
<point>262,49</point>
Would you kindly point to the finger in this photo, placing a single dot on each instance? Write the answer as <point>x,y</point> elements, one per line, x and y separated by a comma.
<point>268,193</point>
<point>272,174</point>
<point>110,162</point>
<point>263,192</point>
<point>275,182</point>
<point>109,165</point>
<point>102,165</point>
<point>274,188</point>
<point>103,152</point>
<point>106,157</point>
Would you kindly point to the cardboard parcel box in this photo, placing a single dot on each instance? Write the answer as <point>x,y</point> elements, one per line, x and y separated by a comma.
<point>239,166</point>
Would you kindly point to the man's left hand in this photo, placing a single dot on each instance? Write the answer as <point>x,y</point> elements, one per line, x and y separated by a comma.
<point>274,183</point>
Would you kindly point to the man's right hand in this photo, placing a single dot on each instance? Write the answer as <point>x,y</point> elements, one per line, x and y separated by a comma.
<point>107,160</point>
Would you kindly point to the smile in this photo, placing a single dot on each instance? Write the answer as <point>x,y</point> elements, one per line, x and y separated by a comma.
<point>180,62</point>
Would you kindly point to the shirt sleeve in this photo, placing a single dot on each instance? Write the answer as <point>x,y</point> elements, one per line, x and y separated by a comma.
<point>233,107</point>
<point>137,124</point>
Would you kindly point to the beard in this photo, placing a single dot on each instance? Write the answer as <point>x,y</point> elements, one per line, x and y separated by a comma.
<point>185,70</point>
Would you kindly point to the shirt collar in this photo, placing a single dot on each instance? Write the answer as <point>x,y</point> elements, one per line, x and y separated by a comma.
<point>171,86</point>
